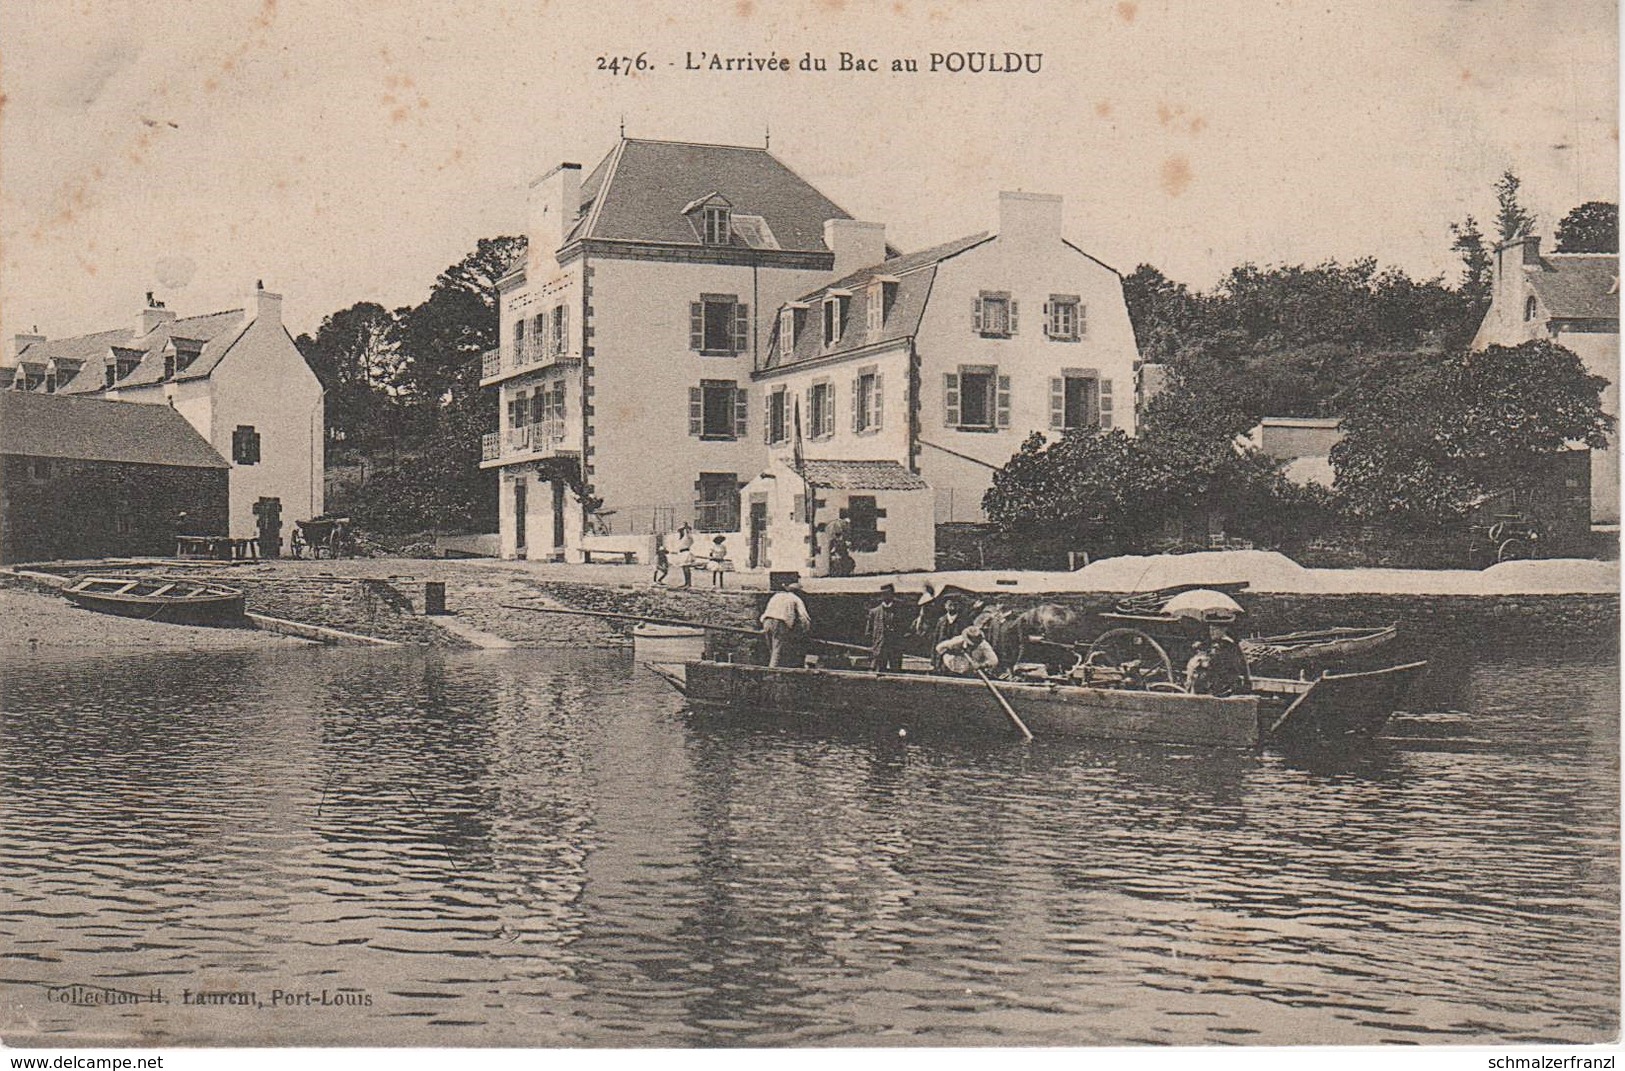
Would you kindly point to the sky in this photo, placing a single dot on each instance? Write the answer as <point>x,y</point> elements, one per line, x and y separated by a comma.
<point>350,152</point>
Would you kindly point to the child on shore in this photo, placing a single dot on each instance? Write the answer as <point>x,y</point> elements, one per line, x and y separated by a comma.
<point>662,561</point>
<point>719,561</point>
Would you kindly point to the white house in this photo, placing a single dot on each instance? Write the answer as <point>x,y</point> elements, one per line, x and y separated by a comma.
<point>236,376</point>
<point>900,388</point>
<point>630,333</point>
<point>1573,300</point>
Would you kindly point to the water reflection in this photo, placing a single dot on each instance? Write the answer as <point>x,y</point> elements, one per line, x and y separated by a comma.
<point>546,849</point>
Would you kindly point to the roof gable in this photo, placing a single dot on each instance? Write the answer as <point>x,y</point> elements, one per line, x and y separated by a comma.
<point>91,429</point>
<point>1577,286</point>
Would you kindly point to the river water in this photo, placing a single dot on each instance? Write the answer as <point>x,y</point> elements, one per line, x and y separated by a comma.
<point>544,848</point>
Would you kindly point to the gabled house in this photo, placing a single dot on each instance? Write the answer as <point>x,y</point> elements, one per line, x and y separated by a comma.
<point>918,376</point>
<point>86,478</point>
<point>630,332</point>
<point>235,376</point>
<point>1573,300</point>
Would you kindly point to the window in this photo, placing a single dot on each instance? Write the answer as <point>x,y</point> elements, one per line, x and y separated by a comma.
<point>717,410</point>
<point>821,410</point>
<point>866,401</point>
<point>881,297</point>
<point>993,314</point>
<point>718,324</point>
<point>558,340</point>
<point>776,421</point>
<point>1063,318</point>
<point>169,366</point>
<point>717,230</point>
<point>245,445</point>
<point>111,374</point>
<point>39,469</point>
<point>976,398</point>
<point>836,306</point>
<point>1529,308</point>
<point>863,523</point>
<point>1079,398</point>
<point>519,334</point>
<point>717,507</point>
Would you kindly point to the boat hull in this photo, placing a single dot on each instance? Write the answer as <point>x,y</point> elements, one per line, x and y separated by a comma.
<point>174,603</point>
<point>934,705</point>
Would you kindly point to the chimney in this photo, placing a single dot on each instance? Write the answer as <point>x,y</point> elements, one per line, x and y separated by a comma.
<point>265,305</point>
<point>24,341</point>
<point>555,203</point>
<point>1531,248</point>
<point>1029,218</point>
<point>855,244</point>
<point>152,314</point>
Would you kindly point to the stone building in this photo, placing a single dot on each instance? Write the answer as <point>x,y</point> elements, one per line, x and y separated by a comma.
<point>85,478</point>
<point>1573,300</point>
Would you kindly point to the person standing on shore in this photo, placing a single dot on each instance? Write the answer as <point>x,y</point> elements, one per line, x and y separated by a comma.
<point>685,554</point>
<point>718,560</point>
<point>787,623</point>
<point>662,561</point>
<point>886,629</point>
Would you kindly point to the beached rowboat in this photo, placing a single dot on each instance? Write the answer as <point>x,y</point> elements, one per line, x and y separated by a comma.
<point>1335,708</point>
<point>1319,645</point>
<point>175,601</point>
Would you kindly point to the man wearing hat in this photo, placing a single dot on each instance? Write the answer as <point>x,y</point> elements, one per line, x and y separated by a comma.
<point>1218,666</point>
<point>968,652</point>
<point>787,623</point>
<point>886,631</point>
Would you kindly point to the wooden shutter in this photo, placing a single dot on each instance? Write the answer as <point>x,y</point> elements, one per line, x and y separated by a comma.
<point>950,394</point>
<point>1049,323</point>
<point>1081,316</point>
<point>1012,316</point>
<point>1105,395</point>
<point>741,328</point>
<point>1003,399</point>
<point>876,410</point>
<point>564,330</point>
<point>696,411</point>
<point>857,389</point>
<point>829,409</point>
<point>696,325</point>
<point>976,315</point>
<point>741,413</point>
<point>1057,403</point>
<point>767,417</point>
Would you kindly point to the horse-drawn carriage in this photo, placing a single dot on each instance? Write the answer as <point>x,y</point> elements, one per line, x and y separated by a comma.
<point>330,537</point>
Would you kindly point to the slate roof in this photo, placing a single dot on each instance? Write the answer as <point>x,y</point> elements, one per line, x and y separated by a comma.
<point>216,330</point>
<point>638,193</point>
<point>915,273</point>
<point>1577,286</point>
<point>861,476</point>
<point>90,429</point>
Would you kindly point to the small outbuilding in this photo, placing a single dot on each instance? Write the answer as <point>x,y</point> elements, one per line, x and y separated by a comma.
<point>875,514</point>
<point>86,478</point>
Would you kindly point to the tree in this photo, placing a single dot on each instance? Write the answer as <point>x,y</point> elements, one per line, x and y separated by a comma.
<point>355,356</point>
<point>1591,228</point>
<point>1428,437</point>
<point>1512,220</point>
<point>444,337</point>
<point>1475,262</point>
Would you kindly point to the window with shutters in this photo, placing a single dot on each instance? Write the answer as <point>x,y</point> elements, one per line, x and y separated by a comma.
<point>245,445</point>
<point>558,344</point>
<point>717,410</point>
<point>1074,401</point>
<point>1063,318</point>
<point>719,325</point>
<point>776,422</point>
<point>821,410</point>
<point>866,401</point>
<point>993,314</point>
<point>837,305</point>
<point>976,398</point>
<point>716,509</point>
<point>863,523</point>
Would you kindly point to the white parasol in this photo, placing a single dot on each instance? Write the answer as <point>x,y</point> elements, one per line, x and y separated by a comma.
<point>1203,605</point>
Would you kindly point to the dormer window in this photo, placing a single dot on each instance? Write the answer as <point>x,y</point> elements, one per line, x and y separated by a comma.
<point>792,321</point>
<point>169,366</point>
<point>881,296</point>
<point>718,230</point>
<point>836,305</point>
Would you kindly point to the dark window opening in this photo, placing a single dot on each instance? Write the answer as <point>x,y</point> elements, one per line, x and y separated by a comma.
<point>1081,408</point>
<point>976,399</point>
<point>863,523</point>
<point>717,509</point>
<point>245,445</point>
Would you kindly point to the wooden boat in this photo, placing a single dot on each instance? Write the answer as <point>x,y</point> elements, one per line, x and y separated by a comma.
<point>175,601</point>
<point>1332,709</point>
<point>1319,645</point>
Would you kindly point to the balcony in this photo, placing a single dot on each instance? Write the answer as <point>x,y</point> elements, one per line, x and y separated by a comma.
<point>529,353</point>
<point>549,437</point>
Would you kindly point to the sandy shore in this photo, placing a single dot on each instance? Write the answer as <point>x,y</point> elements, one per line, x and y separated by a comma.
<point>33,622</point>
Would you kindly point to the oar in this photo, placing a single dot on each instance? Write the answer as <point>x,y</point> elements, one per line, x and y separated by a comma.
<point>672,621</point>
<point>1009,711</point>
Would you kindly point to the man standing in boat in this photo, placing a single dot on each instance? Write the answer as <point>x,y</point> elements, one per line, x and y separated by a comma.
<point>952,622</point>
<point>886,631</point>
<point>787,623</point>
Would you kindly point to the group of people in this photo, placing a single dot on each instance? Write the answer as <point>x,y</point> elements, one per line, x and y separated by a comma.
<point>716,560</point>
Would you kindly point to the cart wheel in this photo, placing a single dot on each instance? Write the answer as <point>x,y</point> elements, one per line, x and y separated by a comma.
<point>1512,550</point>
<point>1129,657</point>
